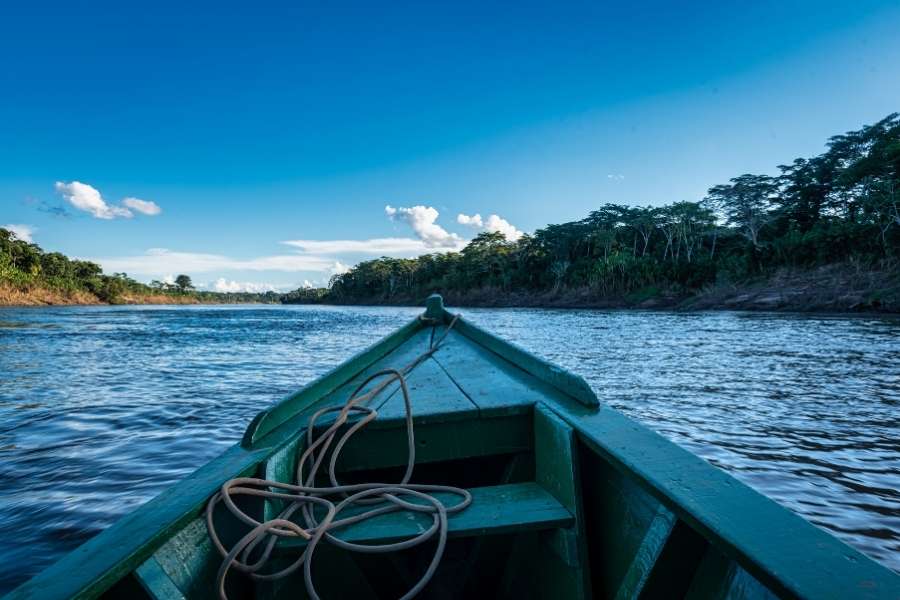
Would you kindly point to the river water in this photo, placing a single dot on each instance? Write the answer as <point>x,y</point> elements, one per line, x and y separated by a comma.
<point>101,408</point>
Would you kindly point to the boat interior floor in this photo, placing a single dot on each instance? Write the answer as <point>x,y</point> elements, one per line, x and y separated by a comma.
<point>549,519</point>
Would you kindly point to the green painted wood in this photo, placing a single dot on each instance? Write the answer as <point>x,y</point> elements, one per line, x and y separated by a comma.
<point>675,567</point>
<point>646,555</point>
<point>565,573</point>
<point>521,576</point>
<point>781,550</point>
<point>713,577</point>
<point>282,464</point>
<point>189,559</point>
<point>156,581</point>
<point>434,307</point>
<point>619,513</point>
<point>385,446</point>
<point>483,567</point>
<point>433,396</point>
<point>282,411</point>
<point>494,384</point>
<point>494,510</point>
<point>719,578</point>
<point>568,383</point>
<point>335,574</point>
<point>398,358</point>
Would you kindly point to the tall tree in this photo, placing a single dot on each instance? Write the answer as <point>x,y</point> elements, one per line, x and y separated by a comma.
<point>183,283</point>
<point>746,202</point>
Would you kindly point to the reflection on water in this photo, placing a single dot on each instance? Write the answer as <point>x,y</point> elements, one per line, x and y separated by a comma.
<point>103,407</point>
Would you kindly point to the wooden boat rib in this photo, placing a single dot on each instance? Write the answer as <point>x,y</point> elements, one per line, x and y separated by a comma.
<point>571,499</point>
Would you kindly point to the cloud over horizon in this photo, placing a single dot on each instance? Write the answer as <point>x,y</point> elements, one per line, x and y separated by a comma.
<point>224,285</point>
<point>317,257</point>
<point>87,198</point>
<point>423,219</point>
<point>494,223</point>
<point>21,231</point>
<point>376,246</point>
<point>162,260</point>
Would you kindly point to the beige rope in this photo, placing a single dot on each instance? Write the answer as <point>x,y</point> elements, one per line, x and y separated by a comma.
<point>304,496</point>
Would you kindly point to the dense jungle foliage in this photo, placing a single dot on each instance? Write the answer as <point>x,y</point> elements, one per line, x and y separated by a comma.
<point>842,205</point>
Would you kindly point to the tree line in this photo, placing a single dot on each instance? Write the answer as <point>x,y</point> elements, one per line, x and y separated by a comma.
<point>841,205</point>
<point>24,265</point>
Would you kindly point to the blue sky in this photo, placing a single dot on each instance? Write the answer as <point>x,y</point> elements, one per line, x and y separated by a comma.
<point>251,126</point>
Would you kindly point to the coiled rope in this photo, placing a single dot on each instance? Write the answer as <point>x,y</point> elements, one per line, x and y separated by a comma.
<point>305,495</point>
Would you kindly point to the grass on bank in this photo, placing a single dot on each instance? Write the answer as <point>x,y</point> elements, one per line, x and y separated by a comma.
<point>31,277</point>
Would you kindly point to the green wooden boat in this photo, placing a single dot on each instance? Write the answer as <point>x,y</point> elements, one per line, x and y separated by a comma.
<point>569,499</point>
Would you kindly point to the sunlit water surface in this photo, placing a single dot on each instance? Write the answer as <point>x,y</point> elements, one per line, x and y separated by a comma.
<point>101,408</point>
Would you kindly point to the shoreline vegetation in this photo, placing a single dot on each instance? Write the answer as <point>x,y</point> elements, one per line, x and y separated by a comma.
<point>822,236</point>
<point>29,276</point>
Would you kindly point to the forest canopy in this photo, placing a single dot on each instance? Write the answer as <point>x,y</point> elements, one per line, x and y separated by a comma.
<point>840,206</point>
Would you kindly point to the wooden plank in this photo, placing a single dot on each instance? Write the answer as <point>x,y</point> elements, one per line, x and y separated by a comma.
<point>494,510</point>
<point>433,397</point>
<point>675,566</point>
<point>335,574</point>
<point>565,574</point>
<point>647,555</point>
<point>489,555</point>
<point>156,581</point>
<point>282,411</point>
<point>568,383</point>
<point>189,559</point>
<point>494,384</point>
<point>719,578</point>
<point>521,574</point>
<point>398,358</point>
<point>386,445</point>
<point>780,549</point>
<point>618,515</point>
<point>282,464</point>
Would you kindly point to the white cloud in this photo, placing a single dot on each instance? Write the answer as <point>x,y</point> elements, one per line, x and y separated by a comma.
<point>88,198</point>
<point>161,260</point>
<point>422,220</point>
<point>145,207</point>
<point>311,256</point>
<point>21,231</point>
<point>493,223</point>
<point>223,285</point>
<point>474,221</point>
<point>615,176</point>
<point>338,268</point>
<point>377,246</point>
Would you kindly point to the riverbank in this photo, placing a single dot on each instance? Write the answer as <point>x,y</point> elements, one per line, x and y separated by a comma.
<point>45,296</point>
<point>834,288</point>
<point>840,288</point>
